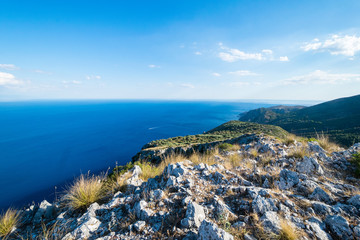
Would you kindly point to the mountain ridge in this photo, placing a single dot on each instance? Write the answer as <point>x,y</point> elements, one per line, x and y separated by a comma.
<point>339,119</point>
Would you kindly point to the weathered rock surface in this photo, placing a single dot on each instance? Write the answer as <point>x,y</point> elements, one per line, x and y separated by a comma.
<point>227,195</point>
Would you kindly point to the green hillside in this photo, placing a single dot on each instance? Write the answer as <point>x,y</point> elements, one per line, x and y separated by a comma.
<point>225,131</point>
<point>340,119</point>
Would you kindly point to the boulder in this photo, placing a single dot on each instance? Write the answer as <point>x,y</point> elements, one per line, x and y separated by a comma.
<point>271,222</point>
<point>318,229</point>
<point>355,201</point>
<point>209,230</point>
<point>176,170</point>
<point>222,209</point>
<point>194,216</point>
<point>141,210</point>
<point>261,205</point>
<point>46,211</point>
<point>288,179</point>
<point>85,230</point>
<point>134,180</point>
<point>309,165</point>
<point>320,195</point>
<point>339,227</point>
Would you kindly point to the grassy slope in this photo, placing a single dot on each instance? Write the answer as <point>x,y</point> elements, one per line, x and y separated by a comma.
<point>225,131</point>
<point>340,119</point>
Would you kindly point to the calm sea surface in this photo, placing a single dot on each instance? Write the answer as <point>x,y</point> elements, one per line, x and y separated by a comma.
<point>46,144</point>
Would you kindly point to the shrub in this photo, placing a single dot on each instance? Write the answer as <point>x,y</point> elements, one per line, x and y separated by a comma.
<point>356,161</point>
<point>84,191</point>
<point>228,147</point>
<point>8,221</point>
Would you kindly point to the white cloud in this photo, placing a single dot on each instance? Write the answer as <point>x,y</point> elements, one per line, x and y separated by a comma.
<point>337,45</point>
<point>322,77</point>
<point>284,59</point>
<point>187,85</point>
<point>72,82</point>
<point>232,55</point>
<point>8,67</point>
<point>267,51</point>
<point>91,77</point>
<point>42,72</point>
<point>239,84</point>
<point>215,74</point>
<point>198,53</point>
<point>153,66</point>
<point>243,73</point>
<point>8,79</point>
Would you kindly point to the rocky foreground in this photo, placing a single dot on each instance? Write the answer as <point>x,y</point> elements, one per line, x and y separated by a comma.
<point>263,189</point>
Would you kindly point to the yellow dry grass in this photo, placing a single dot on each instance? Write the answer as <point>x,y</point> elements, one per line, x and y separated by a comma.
<point>326,144</point>
<point>8,222</point>
<point>288,232</point>
<point>84,191</point>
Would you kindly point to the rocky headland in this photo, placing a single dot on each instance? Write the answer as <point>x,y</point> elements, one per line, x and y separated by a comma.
<point>250,187</point>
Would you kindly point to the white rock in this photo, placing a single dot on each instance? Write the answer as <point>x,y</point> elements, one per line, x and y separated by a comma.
<point>209,230</point>
<point>194,215</point>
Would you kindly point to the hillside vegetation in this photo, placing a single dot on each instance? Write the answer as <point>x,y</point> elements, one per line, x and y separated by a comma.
<point>225,131</point>
<point>339,119</point>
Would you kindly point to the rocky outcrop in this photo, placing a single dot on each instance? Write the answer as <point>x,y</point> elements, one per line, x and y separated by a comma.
<point>229,195</point>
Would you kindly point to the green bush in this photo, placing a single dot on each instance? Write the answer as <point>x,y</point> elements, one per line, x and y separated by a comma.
<point>226,146</point>
<point>356,161</point>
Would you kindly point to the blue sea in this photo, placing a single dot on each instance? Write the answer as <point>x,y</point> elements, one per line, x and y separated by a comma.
<point>44,145</point>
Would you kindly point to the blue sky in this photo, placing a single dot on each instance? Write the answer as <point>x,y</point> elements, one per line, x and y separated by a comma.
<point>278,50</point>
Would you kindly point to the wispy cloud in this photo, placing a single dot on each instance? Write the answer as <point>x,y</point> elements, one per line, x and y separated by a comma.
<point>232,55</point>
<point>42,72</point>
<point>153,66</point>
<point>8,79</point>
<point>215,74</point>
<point>284,59</point>
<point>187,85</point>
<point>91,77</point>
<point>9,67</point>
<point>243,73</point>
<point>337,45</point>
<point>322,77</point>
<point>198,53</point>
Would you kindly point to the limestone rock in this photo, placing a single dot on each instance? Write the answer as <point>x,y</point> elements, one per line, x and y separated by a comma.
<point>339,227</point>
<point>194,216</point>
<point>209,230</point>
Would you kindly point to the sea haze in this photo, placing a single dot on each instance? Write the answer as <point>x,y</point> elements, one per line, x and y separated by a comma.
<point>46,144</point>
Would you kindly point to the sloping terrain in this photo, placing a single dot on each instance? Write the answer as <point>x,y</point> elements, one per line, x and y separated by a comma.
<point>340,119</point>
<point>263,189</point>
<point>225,131</point>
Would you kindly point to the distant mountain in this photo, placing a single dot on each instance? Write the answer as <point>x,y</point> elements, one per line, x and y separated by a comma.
<point>266,115</point>
<point>339,118</point>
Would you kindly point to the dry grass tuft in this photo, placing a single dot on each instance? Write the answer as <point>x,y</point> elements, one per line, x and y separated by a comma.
<point>288,232</point>
<point>326,144</point>
<point>254,152</point>
<point>8,222</point>
<point>84,191</point>
<point>234,160</point>
<point>299,152</point>
<point>289,139</point>
<point>149,170</point>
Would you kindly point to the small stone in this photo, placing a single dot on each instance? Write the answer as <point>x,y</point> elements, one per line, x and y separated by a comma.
<point>139,226</point>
